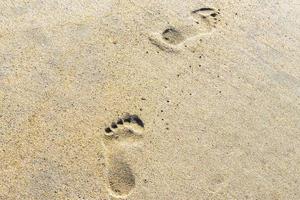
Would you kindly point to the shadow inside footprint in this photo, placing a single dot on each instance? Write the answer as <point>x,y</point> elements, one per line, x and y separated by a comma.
<point>172,36</point>
<point>121,178</point>
<point>205,12</point>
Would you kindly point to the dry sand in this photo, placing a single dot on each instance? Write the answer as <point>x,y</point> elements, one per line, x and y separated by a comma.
<point>216,85</point>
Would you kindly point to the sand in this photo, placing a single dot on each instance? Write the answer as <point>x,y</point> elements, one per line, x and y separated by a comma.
<point>152,100</point>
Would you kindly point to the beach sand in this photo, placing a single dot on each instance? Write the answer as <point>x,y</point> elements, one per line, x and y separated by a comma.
<point>152,100</point>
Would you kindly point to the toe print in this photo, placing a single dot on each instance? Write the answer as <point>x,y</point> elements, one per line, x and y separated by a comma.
<point>207,15</point>
<point>128,127</point>
<point>120,177</point>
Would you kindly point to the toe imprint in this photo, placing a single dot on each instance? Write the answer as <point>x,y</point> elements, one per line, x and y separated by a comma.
<point>206,14</point>
<point>129,126</point>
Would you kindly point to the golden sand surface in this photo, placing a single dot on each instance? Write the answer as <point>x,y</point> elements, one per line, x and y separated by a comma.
<point>149,100</point>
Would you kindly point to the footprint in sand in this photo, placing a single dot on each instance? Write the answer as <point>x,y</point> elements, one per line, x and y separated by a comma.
<point>201,21</point>
<point>118,137</point>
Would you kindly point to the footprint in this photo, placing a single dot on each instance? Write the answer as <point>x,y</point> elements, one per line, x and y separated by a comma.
<point>201,21</point>
<point>118,137</point>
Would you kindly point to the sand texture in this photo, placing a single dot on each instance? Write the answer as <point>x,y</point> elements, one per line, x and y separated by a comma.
<point>149,100</point>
